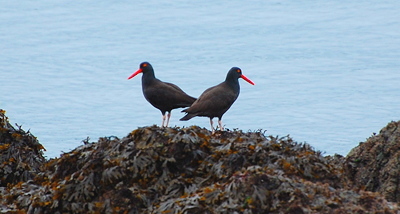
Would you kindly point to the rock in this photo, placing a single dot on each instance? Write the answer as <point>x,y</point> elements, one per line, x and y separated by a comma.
<point>375,164</point>
<point>189,170</point>
<point>21,155</point>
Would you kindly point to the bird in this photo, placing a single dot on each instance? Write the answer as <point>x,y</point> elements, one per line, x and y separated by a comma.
<point>162,95</point>
<point>215,101</point>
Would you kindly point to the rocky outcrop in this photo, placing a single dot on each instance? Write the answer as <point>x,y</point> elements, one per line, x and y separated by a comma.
<point>189,170</point>
<point>375,164</point>
<point>21,155</point>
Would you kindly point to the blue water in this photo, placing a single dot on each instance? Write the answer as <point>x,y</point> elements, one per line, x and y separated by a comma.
<point>326,72</point>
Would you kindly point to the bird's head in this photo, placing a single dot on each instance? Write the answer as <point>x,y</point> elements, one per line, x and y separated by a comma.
<point>236,73</point>
<point>144,67</point>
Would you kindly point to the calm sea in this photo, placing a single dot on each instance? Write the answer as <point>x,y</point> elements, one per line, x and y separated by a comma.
<point>326,72</point>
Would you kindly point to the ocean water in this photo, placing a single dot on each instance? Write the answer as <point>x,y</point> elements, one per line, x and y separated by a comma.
<point>326,72</point>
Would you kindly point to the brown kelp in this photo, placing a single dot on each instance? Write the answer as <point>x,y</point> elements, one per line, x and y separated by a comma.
<point>189,170</point>
<point>21,154</point>
<point>375,164</point>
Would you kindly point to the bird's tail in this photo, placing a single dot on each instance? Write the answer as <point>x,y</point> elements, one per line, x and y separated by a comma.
<point>187,117</point>
<point>192,100</point>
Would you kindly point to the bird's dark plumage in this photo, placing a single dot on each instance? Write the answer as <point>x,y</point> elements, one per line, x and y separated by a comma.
<point>162,95</point>
<point>215,101</point>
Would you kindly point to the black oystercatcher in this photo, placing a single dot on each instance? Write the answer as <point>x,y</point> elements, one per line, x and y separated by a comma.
<point>215,101</point>
<point>162,95</point>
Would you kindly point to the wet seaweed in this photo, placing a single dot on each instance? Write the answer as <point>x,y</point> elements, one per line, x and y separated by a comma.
<point>190,170</point>
<point>21,154</point>
<point>375,164</point>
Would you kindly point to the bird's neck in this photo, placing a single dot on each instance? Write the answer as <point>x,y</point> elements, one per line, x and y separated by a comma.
<point>148,78</point>
<point>233,83</point>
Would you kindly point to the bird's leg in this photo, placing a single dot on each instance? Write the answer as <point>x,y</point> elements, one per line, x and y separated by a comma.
<point>163,120</point>
<point>212,126</point>
<point>168,116</point>
<point>220,125</point>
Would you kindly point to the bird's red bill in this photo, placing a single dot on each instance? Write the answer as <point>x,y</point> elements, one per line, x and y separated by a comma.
<point>134,74</point>
<point>247,79</point>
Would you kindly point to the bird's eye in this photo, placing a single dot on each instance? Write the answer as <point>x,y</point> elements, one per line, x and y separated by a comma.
<point>145,64</point>
<point>238,70</point>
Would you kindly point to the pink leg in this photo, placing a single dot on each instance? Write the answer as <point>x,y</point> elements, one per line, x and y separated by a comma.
<point>168,116</point>
<point>163,120</point>
<point>220,125</point>
<point>212,126</point>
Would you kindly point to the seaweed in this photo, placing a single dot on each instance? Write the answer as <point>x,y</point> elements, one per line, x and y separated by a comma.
<point>21,154</point>
<point>191,170</point>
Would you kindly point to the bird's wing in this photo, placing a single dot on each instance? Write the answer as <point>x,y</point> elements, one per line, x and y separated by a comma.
<point>175,87</point>
<point>161,93</point>
<point>212,101</point>
<point>180,97</point>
